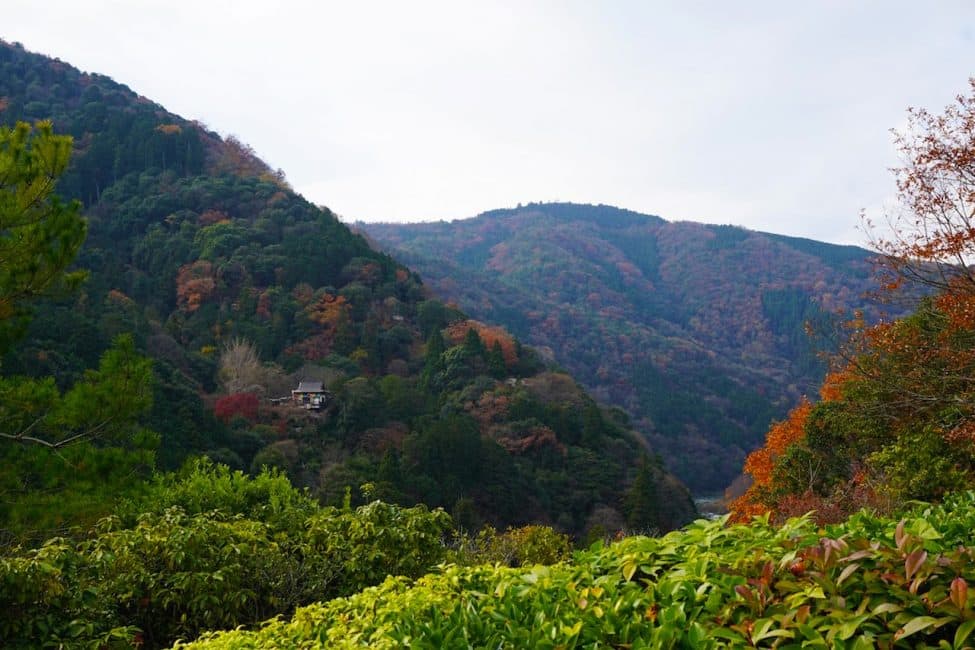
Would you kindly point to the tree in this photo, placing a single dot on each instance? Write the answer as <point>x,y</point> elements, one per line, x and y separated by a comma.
<point>933,236</point>
<point>39,234</point>
<point>240,368</point>
<point>642,512</point>
<point>897,421</point>
<point>103,405</point>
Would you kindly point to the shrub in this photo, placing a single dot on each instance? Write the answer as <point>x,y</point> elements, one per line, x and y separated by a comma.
<point>869,582</point>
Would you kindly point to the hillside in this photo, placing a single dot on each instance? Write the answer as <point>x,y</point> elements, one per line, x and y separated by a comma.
<point>697,331</point>
<point>206,256</point>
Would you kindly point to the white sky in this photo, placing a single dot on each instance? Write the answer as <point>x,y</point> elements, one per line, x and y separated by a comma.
<point>771,115</point>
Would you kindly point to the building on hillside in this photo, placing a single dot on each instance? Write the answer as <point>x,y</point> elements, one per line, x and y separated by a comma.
<point>310,395</point>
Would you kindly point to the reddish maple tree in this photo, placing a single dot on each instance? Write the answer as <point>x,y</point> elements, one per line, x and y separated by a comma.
<point>242,404</point>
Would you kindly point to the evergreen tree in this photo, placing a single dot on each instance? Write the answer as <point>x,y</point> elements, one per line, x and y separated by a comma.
<point>39,235</point>
<point>495,361</point>
<point>642,511</point>
<point>473,344</point>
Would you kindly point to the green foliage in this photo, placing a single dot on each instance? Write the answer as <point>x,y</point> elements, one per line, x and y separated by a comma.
<point>524,546</point>
<point>870,582</point>
<point>377,540</point>
<point>39,235</point>
<point>174,575</point>
<point>202,486</point>
<point>48,599</point>
<point>66,458</point>
<point>167,573</point>
<point>641,499</point>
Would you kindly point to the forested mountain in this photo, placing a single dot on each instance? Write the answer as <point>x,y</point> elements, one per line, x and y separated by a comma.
<point>237,288</point>
<point>698,331</point>
<point>165,316</point>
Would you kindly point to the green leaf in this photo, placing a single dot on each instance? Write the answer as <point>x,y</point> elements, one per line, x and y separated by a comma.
<point>914,625</point>
<point>963,631</point>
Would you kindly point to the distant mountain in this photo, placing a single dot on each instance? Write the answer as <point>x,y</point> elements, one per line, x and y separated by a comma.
<point>698,331</point>
<point>199,248</point>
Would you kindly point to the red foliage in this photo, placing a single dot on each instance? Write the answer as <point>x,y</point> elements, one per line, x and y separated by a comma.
<point>230,406</point>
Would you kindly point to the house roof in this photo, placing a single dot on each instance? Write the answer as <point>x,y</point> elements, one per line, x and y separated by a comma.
<point>309,387</point>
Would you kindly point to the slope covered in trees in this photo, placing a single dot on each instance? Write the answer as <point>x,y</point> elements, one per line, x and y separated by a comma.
<point>236,288</point>
<point>697,331</point>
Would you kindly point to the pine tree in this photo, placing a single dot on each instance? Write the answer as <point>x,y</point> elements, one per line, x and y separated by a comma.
<point>495,361</point>
<point>642,511</point>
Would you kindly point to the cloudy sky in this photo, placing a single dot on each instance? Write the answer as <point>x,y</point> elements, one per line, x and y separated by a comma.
<point>772,115</point>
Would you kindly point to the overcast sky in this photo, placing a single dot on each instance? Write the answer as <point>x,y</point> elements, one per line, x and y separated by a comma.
<point>770,115</point>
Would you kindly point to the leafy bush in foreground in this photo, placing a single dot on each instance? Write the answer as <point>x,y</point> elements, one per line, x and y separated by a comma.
<point>869,582</point>
<point>213,549</point>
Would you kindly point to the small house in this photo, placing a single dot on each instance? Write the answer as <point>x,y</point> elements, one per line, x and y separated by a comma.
<point>310,395</point>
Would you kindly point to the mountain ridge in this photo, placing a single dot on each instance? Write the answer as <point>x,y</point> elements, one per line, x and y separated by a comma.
<point>647,311</point>
<point>202,252</point>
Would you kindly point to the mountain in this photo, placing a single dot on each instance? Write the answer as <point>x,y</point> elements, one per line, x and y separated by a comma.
<point>697,331</point>
<point>237,288</point>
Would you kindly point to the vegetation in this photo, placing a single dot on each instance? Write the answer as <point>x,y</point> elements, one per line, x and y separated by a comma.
<point>374,518</point>
<point>698,332</point>
<point>236,289</point>
<point>895,423</point>
<point>870,582</point>
<point>211,549</point>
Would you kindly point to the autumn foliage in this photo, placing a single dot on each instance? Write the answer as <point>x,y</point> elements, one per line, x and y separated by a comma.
<point>898,422</point>
<point>760,464</point>
<point>195,283</point>
<point>456,332</point>
<point>328,310</point>
<point>239,404</point>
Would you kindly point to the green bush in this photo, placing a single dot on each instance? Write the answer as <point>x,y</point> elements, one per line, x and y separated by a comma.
<point>515,547</point>
<point>204,486</point>
<point>870,582</point>
<point>378,540</point>
<point>193,562</point>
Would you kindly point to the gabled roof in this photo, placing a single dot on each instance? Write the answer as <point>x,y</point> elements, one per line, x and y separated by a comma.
<point>309,387</point>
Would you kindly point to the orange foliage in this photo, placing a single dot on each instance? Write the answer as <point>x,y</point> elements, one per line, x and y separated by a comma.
<point>314,347</point>
<point>169,129</point>
<point>328,310</point>
<point>933,237</point>
<point>490,408</point>
<point>832,388</point>
<point>761,462</point>
<point>194,284</point>
<point>456,332</point>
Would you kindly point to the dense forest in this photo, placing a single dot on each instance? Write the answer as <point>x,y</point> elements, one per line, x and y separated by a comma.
<point>434,483</point>
<point>201,260</point>
<point>699,332</point>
